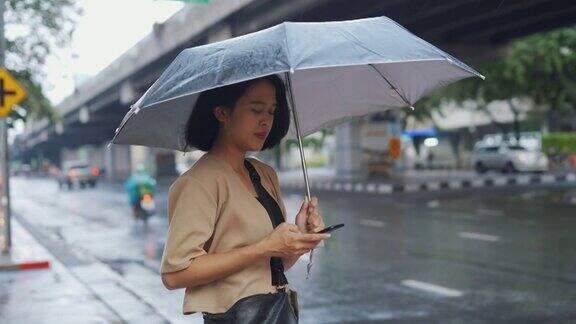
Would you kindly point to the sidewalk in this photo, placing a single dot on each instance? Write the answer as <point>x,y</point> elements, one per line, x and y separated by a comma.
<point>81,289</point>
<point>51,295</point>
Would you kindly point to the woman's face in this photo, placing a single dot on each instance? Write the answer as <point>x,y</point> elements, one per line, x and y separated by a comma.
<point>247,125</point>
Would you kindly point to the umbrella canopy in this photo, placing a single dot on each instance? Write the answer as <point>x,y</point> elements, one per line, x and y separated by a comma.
<point>337,71</point>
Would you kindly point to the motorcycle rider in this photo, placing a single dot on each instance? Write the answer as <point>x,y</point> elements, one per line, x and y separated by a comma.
<point>138,182</point>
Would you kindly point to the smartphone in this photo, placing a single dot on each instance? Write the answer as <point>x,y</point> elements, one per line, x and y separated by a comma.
<point>330,229</point>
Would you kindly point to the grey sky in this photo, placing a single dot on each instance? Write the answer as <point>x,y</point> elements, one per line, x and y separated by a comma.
<point>107,29</point>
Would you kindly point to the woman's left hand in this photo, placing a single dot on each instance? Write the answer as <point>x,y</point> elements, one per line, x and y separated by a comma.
<point>315,221</point>
<point>309,219</point>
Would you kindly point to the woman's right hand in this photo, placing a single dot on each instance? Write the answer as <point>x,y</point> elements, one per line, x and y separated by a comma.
<point>287,241</point>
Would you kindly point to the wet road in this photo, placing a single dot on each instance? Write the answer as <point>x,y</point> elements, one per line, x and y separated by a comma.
<point>491,255</point>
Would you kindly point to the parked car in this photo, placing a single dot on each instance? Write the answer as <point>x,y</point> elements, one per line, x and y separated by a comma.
<point>508,158</point>
<point>21,170</point>
<point>78,174</point>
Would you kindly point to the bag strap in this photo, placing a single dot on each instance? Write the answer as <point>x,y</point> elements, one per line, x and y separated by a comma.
<point>276,217</point>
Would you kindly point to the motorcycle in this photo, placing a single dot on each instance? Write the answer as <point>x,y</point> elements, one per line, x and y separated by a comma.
<point>141,188</point>
<point>146,206</point>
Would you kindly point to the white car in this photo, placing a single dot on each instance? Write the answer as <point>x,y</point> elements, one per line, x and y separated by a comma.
<point>508,158</point>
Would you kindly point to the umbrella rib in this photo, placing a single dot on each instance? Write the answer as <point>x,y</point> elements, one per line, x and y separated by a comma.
<point>392,86</point>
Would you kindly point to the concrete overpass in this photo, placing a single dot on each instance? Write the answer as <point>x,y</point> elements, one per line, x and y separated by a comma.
<point>473,30</point>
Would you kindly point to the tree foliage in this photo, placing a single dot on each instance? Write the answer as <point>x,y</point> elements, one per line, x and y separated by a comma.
<point>541,68</point>
<point>36,28</point>
<point>559,143</point>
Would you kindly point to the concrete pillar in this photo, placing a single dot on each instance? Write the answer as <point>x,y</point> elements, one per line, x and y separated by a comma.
<point>117,162</point>
<point>67,155</point>
<point>165,163</point>
<point>40,159</point>
<point>53,156</point>
<point>89,154</point>
<point>95,156</point>
<point>108,162</point>
<point>349,157</point>
<point>141,155</point>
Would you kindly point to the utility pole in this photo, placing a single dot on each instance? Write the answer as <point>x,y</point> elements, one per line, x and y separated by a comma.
<point>11,94</point>
<point>5,235</point>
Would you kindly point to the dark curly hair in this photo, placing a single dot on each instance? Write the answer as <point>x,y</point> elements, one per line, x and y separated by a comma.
<point>202,126</point>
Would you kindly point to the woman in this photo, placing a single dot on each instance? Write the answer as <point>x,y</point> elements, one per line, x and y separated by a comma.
<point>221,243</point>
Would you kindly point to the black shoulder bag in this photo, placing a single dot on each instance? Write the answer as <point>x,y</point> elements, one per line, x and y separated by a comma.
<point>280,307</point>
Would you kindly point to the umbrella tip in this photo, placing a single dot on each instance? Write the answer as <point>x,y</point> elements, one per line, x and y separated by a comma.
<point>412,107</point>
<point>291,70</point>
<point>109,145</point>
<point>482,77</point>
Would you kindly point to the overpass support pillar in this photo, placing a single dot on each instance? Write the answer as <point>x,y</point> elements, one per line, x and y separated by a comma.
<point>349,158</point>
<point>158,162</point>
<point>117,162</point>
<point>141,155</point>
<point>164,162</point>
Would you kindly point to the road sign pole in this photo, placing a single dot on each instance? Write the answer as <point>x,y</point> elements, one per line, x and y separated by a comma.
<point>5,230</point>
<point>5,189</point>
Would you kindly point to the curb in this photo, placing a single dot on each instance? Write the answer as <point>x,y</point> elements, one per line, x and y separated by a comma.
<point>24,254</point>
<point>32,265</point>
<point>384,188</point>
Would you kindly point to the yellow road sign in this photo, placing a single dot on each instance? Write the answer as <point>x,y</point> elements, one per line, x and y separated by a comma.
<point>11,92</point>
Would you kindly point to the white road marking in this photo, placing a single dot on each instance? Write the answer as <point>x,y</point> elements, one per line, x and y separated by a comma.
<point>383,188</point>
<point>411,187</point>
<point>478,183</point>
<point>348,186</point>
<point>478,236</point>
<point>524,179</point>
<point>433,186</point>
<point>372,222</point>
<point>500,181</point>
<point>455,185</point>
<point>489,212</point>
<point>431,288</point>
<point>433,204</point>
<point>370,187</point>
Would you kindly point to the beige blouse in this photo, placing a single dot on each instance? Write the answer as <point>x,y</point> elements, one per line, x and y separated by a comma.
<point>211,210</point>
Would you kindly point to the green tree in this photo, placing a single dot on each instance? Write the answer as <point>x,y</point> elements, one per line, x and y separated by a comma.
<point>541,68</point>
<point>544,69</point>
<point>34,29</point>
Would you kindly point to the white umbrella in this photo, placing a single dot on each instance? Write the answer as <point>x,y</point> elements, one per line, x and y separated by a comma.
<point>334,71</point>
